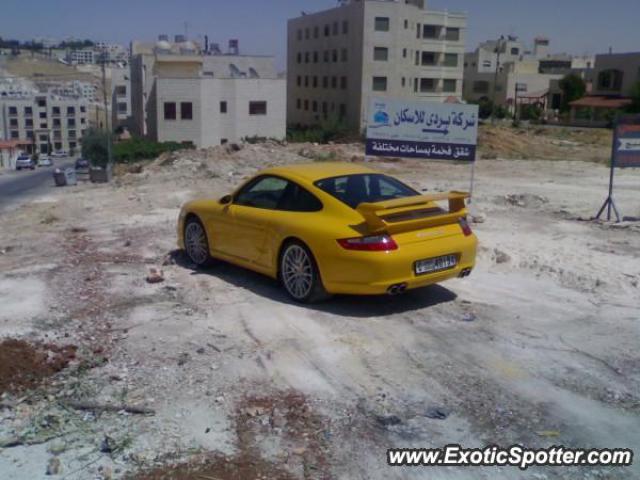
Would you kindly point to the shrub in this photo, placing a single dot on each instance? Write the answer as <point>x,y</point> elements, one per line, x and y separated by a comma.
<point>330,130</point>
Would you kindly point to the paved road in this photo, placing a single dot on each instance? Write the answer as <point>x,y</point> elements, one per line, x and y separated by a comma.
<point>18,186</point>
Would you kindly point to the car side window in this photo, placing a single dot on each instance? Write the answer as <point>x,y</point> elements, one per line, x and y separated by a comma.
<point>264,192</point>
<point>297,199</point>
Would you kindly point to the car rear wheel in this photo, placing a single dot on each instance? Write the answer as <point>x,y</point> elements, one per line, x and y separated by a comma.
<point>196,244</point>
<point>300,275</point>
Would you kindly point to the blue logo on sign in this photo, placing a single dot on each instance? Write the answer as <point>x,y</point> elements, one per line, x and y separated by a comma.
<point>381,118</point>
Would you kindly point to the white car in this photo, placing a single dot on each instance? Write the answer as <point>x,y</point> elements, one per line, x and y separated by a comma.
<point>44,161</point>
<point>60,154</point>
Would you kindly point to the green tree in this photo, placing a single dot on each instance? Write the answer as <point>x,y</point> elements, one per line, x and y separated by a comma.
<point>94,147</point>
<point>573,87</point>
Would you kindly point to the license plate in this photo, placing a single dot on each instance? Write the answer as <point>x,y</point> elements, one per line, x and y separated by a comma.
<point>437,264</point>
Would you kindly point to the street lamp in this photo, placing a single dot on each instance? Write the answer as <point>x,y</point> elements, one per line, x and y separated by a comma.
<point>500,45</point>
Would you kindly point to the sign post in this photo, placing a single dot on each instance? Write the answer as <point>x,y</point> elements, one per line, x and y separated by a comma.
<point>429,130</point>
<point>625,153</point>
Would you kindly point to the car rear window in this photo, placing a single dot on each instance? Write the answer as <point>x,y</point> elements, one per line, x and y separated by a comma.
<point>365,188</point>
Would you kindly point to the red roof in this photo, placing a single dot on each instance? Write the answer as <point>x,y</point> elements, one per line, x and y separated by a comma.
<point>7,144</point>
<point>595,101</point>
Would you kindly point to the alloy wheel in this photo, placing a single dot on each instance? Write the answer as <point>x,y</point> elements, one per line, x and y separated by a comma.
<point>297,272</point>
<point>196,244</point>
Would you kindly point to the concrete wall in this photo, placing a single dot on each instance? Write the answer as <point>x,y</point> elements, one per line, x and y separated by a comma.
<point>627,63</point>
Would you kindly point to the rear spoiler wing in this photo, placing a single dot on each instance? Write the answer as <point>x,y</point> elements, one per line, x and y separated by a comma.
<point>375,213</point>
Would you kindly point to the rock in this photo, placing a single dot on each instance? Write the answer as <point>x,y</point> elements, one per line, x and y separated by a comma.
<point>183,358</point>
<point>299,451</point>
<point>255,411</point>
<point>501,257</point>
<point>478,218</point>
<point>57,447</point>
<point>437,413</point>
<point>155,276</point>
<point>108,444</point>
<point>387,421</point>
<point>469,317</point>
<point>54,467</point>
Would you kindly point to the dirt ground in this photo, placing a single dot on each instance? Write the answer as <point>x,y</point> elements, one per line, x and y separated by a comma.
<point>217,375</point>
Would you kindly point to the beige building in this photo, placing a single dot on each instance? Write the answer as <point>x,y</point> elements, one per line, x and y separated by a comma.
<point>181,94</point>
<point>44,121</point>
<point>339,58</point>
<point>120,99</point>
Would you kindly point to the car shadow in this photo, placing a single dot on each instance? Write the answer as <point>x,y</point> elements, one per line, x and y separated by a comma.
<point>343,305</point>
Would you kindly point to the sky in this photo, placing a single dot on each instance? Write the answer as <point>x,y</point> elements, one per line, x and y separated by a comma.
<point>574,26</point>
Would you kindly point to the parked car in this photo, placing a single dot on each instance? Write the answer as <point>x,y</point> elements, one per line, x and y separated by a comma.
<point>333,228</point>
<point>44,161</point>
<point>25,161</point>
<point>82,164</point>
<point>60,154</point>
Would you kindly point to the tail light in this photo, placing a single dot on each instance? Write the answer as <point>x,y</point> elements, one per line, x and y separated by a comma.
<point>466,229</point>
<point>375,243</point>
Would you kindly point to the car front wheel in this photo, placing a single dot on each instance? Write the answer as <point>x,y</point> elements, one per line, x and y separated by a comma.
<point>196,243</point>
<point>300,275</point>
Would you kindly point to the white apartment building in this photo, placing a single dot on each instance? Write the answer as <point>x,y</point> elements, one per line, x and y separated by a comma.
<point>340,58</point>
<point>81,56</point>
<point>121,98</point>
<point>180,95</point>
<point>42,121</point>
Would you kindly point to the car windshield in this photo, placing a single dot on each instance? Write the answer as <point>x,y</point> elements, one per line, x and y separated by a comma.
<point>365,188</point>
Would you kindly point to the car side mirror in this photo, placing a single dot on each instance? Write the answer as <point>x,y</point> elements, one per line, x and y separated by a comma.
<point>226,200</point>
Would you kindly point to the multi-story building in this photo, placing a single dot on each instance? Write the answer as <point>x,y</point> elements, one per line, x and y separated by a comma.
<point>121,98</point>
<point>43,122</point>
<point>82,56</point>
<point>180,94</point>
<point>505,71</point>
<point>340,58</point>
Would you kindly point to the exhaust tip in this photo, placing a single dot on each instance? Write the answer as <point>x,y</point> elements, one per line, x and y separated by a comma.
<point>397,289</point>
<point>465,273</point>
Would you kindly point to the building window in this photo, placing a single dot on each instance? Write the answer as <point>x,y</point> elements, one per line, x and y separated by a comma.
<point>345,27</point>
<point>486,63</point>
<point>42,102</point>
<point>427,85</point>
<point>72,134</point>
<point>334,82</point>
<point>57,146</point>
<point>43,125</point>
<point>382,24</point>
<point>56,122</point>
<point>334,56</point>
<point>306,105</point>
<point>449,85</point>
<point>70,111</point>
<point>481,86</point>
<point>315,82</point>
<point>315,57</point>
<point>121,90</point>
<point>343,110</point>
<point>43,115</point>
<point>325,82</point>
<point>299,104</point>
<point>316,32</point>
<point>418,28</point>
<point>28,111</point>
<point>299,59</point>
<point>306,33</point>
<point>404,81</point>
<point>299,34</point>
<point>515,51</point>
<point>223,107</point>
<point>336,27</point>
<point>14,134</point>
<point>343,83</point>
<point>13,110</point>
<point>415,84</point>
<point>325,109</point>
<point>379,84</point>
<point>406,24</point>
<point>306,57</point>
<point>28,123</point>
<point>55,111</point>
<point>72,145</point>
<point>170,110</point>
<point>43,138</point>
<point>452,34</point>
<point>417,58</point>
<point>428,58</point>
<point>344,55</point>
<point>306,81</point>
<point>257,108</point>
<point>314,106</point>
<point>431,31</point>
<point>327,30</point>
<point>450,59</point>
<point>380,54</point>
<point>404,53</point>
<point>326,56</point>
<point>610,80</point>
<point>83,109</point>
<point>71,122</point>
<point>299,81</point>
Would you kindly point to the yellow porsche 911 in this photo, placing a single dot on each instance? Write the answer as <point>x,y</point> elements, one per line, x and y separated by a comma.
<point>330,228</point>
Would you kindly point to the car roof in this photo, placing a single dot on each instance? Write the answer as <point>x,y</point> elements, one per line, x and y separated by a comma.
<point>313,172</point>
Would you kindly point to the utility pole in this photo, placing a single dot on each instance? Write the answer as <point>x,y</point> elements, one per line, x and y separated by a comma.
<point>106,110</point>
<point>498,51</point>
